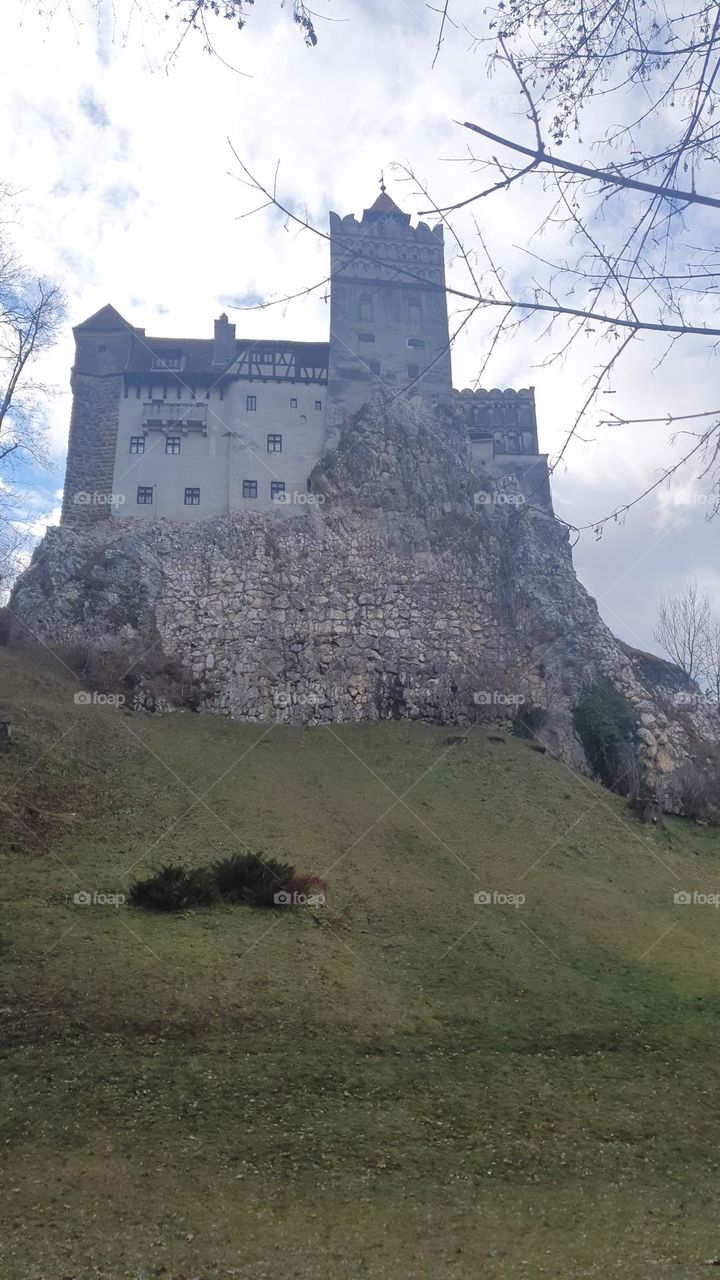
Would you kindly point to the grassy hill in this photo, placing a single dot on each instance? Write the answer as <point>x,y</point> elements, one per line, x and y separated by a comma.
<point>424,1087</point>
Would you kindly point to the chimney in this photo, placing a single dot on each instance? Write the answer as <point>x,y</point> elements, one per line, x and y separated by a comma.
<point>224,345</point>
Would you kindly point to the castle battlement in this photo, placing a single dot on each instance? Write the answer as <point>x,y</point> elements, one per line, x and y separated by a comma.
<point>392,228</point>
<point>499,410</point>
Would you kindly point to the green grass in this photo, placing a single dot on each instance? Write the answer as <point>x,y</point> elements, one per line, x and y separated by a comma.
<point>428,1089</point>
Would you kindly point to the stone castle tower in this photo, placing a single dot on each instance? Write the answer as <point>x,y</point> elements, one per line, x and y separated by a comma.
<point>388,310</point>
<point>189,428</point>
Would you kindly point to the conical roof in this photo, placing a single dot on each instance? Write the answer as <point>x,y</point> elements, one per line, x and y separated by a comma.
<point>385,208</point>
<point>384,204</point>
<point>104,320</point>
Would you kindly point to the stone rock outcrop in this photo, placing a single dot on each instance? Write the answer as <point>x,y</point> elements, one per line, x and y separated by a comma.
<point>404,587</point>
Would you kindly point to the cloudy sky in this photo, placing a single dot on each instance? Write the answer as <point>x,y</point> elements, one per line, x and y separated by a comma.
<point>120,151</point>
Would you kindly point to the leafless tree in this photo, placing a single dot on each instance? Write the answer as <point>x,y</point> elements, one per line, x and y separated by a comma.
<point>634,203</point>
<point>712,659</point>
<point>186,18</point>
<point>196,13</point>
<point>31,310</point>
<point>683,629</point>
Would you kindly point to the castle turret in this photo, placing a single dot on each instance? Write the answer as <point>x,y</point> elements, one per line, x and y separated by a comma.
<point>388,310</point>
<point>102,349</point>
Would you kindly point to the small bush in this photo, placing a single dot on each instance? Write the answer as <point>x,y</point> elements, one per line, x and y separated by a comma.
<point>247,877</point>
<point>528,720</point>
<point>605,724</point>
<point>698,794</point>
<point>173,888</point>
<point>74,656</point>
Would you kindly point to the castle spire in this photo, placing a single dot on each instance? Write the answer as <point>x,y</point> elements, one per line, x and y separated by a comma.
<point>385,207</point>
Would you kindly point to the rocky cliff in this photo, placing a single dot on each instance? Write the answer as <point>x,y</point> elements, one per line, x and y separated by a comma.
<point>404,586</point>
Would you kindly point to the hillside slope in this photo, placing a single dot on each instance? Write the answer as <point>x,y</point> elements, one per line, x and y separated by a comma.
<point>426,1088</point>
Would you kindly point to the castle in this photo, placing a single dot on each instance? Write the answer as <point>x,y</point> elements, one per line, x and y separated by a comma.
<point>189,429</point>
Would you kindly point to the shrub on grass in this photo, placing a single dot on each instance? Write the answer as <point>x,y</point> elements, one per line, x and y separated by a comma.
<point>246,877</point>
<point>699,794</point>
<point>605,723</point>
<point>528,720</point>
<point>173,888</point>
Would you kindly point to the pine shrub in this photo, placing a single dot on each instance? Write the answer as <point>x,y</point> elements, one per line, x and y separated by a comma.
<point>249,878</point>
<point>528,720</point>
<point>605,724</point>
<point>174,888</point>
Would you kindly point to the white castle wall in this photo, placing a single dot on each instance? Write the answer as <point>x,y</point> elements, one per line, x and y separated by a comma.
<point>232,446</point>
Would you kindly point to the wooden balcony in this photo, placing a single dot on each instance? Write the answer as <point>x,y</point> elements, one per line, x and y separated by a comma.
<point>190,415</point>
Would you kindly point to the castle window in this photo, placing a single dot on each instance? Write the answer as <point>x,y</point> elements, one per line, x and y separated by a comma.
<point>414,306</point>
<point>415,342</point>
<point>274,444</point>
<point>251,404</point>
<point>137,444</point>
<point>374,366</point>
<point>167,360</point>
<point>172,444</point>
<point>366,307</point>
<point>277,490</point>
<point>318,404</point>
<point>413,371</point>
<point>249,488</point>
<point>366,337</point>
<point>192,497</point>
<point>102,347</point>
<point>145,495</point>
<point>293,402</point>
